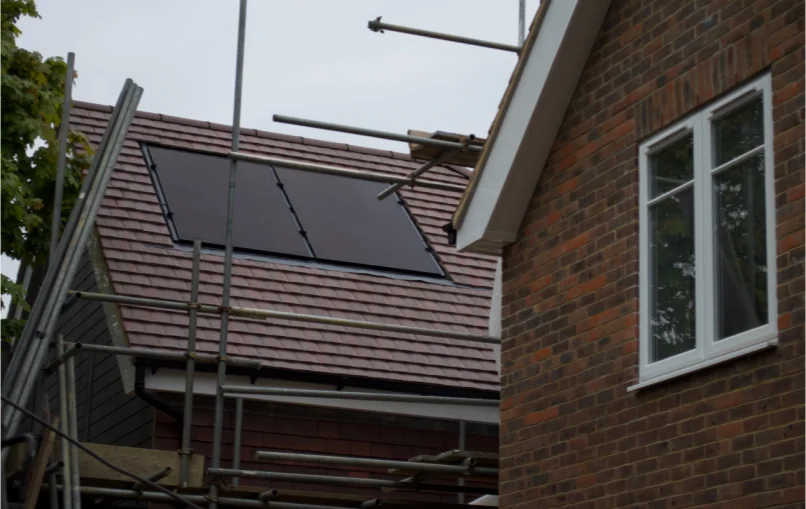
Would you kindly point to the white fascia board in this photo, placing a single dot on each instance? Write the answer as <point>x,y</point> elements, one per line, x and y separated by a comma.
<point>530,124</point>
<point>204,384</point>
<point>486,501</point>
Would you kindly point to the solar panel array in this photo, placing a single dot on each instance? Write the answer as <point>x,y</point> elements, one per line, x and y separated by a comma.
<point>288,212</point>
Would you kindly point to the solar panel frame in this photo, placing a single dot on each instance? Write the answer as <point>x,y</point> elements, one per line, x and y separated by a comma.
<point>200,211</point>
<point>338,213</point>
<point>304,210</point>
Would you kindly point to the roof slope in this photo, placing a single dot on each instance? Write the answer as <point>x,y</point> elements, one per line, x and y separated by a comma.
<point>143,261</point>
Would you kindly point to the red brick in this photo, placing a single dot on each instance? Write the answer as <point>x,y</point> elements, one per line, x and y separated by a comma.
<point>586,481</point>
<point>786,93</point>
<point>647,72</point>
<point>541,416</point>
<point>796,193</point>
<point>729,400</point>
<point>784,321</point>
<point>791,241</point>
<point>541,354</point>
<point>586,287</point>
<point>729,430</point>
<point>568,186</point>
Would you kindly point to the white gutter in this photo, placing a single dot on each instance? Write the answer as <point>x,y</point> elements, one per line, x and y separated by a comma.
<point>173,381</point>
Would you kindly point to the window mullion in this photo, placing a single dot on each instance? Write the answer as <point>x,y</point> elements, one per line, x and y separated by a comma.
<point>702,234</point>
<point>705,279</point>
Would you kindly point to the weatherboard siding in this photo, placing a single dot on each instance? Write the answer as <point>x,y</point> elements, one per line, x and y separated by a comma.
<point>312,430</point>
<point>115,417</point>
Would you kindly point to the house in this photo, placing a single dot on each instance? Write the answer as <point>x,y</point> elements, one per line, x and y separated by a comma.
<point>304,243</point>
<point>643,182</point>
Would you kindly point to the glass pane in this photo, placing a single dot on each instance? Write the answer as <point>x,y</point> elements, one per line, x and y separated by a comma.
<point>738,132</point>
<point>672,275</point>
<point>741,248</point>
<point>671,167</point>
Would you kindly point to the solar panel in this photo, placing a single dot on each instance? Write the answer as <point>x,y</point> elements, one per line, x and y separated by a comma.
<point>195,187</point>
<point>345,222</point>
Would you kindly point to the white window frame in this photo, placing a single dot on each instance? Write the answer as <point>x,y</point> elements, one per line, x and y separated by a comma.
<point>708,351</point>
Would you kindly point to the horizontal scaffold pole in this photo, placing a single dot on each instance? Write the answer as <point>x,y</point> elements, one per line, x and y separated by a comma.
<point>373,133</point>
<point>283,315</point>
<point>365,396</point>
<point>376,25</point>
<point>154,496</point>
<point>348,481</point>
<point>144,353</point>
<point>345,172</point>
<point>409,466</point>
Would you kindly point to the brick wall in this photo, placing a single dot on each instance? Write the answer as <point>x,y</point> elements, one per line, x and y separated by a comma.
<point>571,435</point>
<point>311,430</point>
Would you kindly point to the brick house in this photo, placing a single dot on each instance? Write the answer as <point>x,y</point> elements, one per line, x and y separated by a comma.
<point>166,190</point>
<point>644,184</point>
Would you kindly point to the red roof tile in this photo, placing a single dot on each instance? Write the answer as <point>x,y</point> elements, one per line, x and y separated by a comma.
<point>143,261</point>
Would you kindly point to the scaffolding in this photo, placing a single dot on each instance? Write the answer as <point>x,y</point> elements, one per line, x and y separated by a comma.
<point>27,367</point>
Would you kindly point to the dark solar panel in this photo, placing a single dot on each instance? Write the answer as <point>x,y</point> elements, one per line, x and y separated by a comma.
<point>346,223</point>
<point>195,187</point>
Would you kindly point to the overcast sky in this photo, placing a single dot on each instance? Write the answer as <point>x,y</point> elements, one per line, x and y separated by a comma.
<point>307,58</point>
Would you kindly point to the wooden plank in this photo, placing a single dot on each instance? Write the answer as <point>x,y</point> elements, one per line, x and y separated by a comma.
<point>33,485</point>
<point>142,462</point>
<point>459,157</point>
<point>325,498</point>
<point>451,457</point>
<point>457,456</point>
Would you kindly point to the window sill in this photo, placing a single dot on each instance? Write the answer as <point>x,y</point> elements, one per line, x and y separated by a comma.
<point>763,345</point>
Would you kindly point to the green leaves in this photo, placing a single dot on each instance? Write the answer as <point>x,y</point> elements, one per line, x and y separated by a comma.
<point>32,90</point>
<point>10,328</point>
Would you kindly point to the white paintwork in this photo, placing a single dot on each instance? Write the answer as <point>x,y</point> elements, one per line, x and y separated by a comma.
<point>685,370</point>
<point>530,124</point>
<point>494,328</point>
<point>205,383</point>
<point>708,350</point>
<point>486,501</point>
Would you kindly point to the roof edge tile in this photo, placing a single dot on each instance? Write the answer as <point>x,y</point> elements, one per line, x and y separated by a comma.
<point>324,144</point>
<point>146,114</point>
<point>278,136</point>
<point>465,172</point>
<point>370,151</point>
<point>185,121</point>
<point>92,106</point>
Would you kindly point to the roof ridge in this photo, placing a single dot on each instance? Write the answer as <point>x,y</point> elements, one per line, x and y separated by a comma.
<point>464,172</point>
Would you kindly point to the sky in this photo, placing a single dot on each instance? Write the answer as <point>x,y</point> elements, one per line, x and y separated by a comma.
<point>312,59</point>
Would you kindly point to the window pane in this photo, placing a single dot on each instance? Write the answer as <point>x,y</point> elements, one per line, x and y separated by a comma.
<point>741,248</point>
<point>671,167</point>
<point>738,132</point>
<point>672,275</point>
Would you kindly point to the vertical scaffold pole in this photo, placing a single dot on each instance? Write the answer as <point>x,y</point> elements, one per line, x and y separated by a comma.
<point>225,300</point>
<point>190,365</point>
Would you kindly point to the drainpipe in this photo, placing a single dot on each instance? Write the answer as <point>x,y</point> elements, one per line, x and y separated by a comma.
<point>151,398</point>
<point>494,324</point>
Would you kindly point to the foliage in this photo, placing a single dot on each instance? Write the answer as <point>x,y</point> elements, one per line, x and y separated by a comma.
<point>32,96</point>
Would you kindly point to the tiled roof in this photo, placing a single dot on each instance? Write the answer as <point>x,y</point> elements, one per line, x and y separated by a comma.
<point>143,261</point>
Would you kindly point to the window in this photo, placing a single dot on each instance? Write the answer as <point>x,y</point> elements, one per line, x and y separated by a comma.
<point>285,212</point>
<point>707,237</point>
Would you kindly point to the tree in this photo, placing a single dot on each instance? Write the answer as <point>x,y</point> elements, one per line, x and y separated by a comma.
<point>32,97</point>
